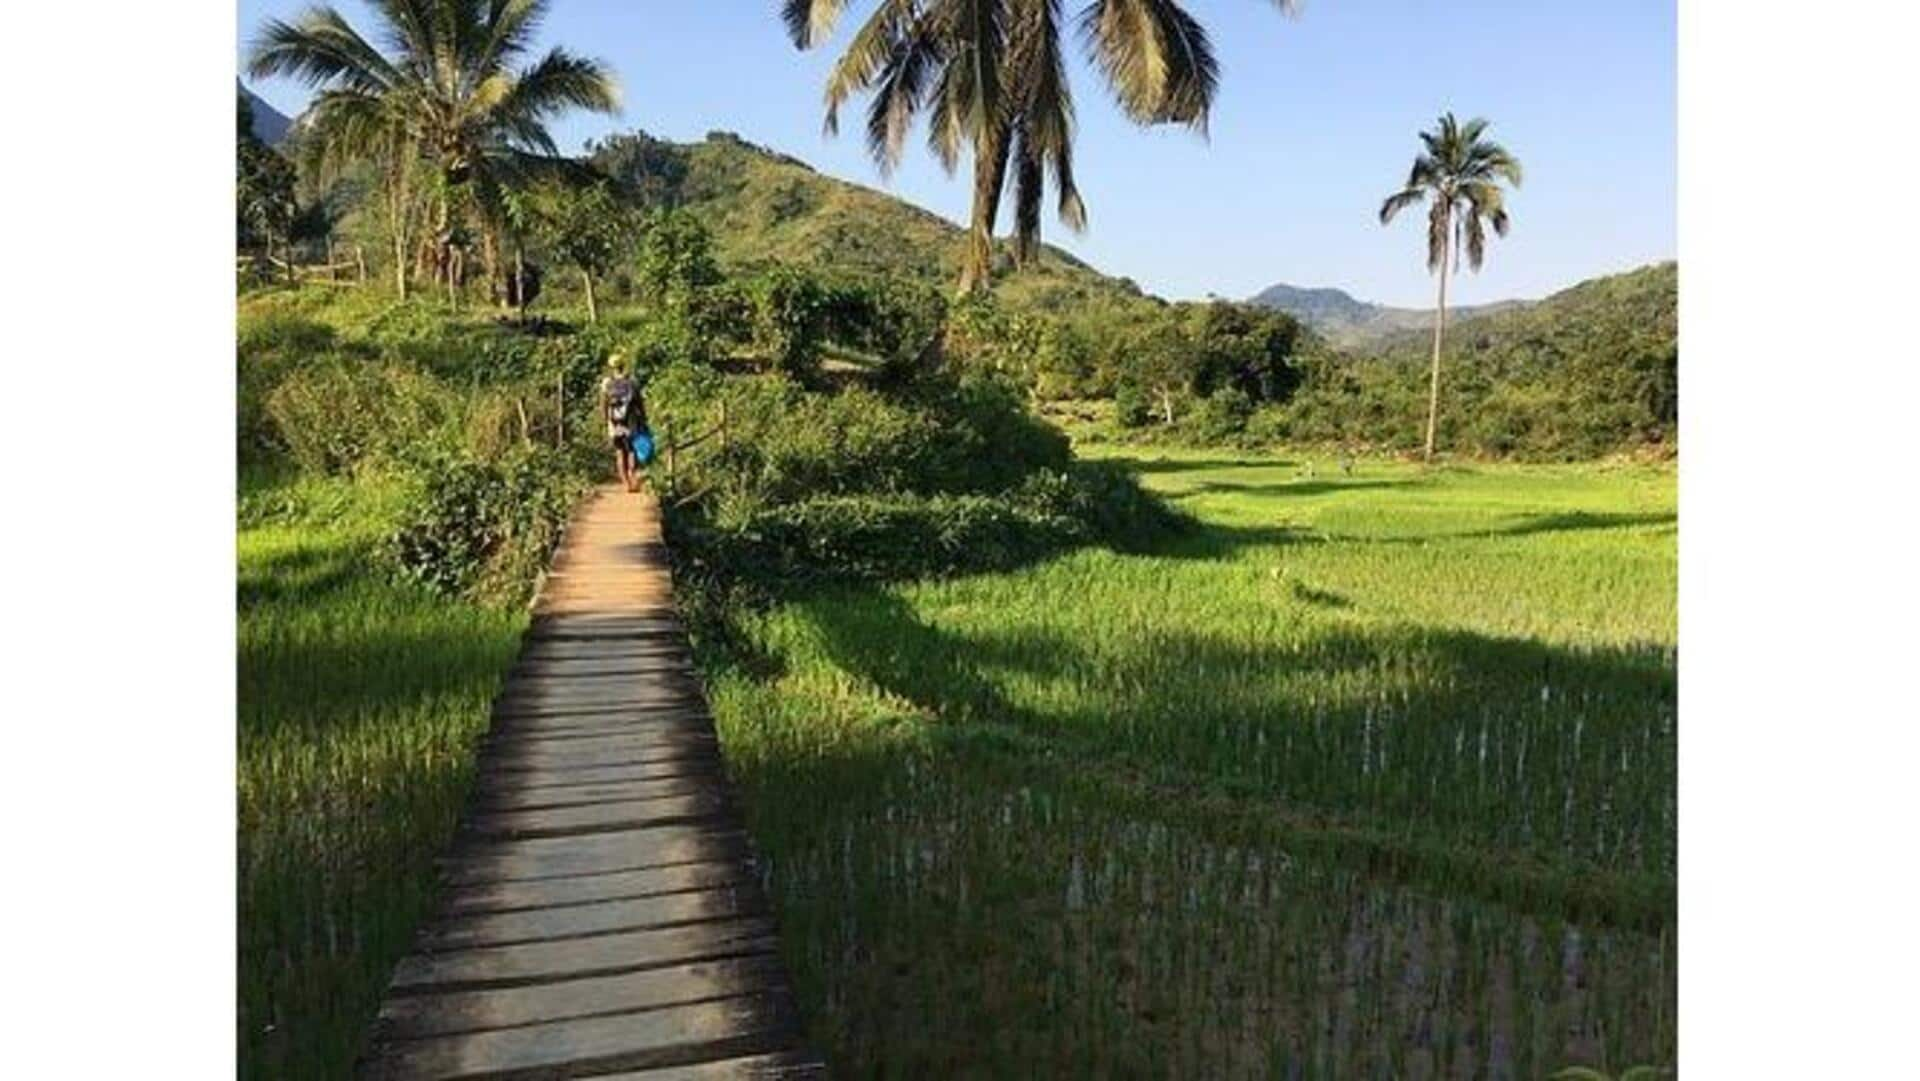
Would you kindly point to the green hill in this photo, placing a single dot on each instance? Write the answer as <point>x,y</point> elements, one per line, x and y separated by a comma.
<point>763,207</point>
<point>1587,371</point>
<point>1358,324</point>
<point>1607,316</point>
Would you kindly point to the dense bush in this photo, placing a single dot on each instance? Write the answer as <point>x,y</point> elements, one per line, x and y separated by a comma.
<point>478,526</point>
<point>335,416</point>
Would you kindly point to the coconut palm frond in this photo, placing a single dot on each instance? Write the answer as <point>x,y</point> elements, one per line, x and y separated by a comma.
<point>1157,59</point>
<point>877,43</point>
<point>559,82</point>
<point>1398,201</point>
<point>322,48</point>
<point>897,100</point>
<point>810,22</point>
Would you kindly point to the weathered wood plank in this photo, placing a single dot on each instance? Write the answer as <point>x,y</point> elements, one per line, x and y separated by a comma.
<point>727,901</point>
<point>619,951</point>
<point>669,1036</point>
<point>510,896</point>
<point>705,806</point>
<point>601,910</point>
<point>628,850</point>
<point>779,1066</point>
<point>501,799</point>
<point>412,1017</point>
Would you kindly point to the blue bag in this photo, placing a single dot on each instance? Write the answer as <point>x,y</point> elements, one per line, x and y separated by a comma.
<point>642,443</point>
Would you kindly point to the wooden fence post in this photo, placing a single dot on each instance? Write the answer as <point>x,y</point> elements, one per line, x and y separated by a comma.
<point>360,257</point>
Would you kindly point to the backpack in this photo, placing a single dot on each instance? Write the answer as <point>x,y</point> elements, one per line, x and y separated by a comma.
<point>620,395</point>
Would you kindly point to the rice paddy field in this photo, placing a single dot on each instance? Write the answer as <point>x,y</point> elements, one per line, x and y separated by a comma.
<point>360,704</point>
<point>1371,775</point>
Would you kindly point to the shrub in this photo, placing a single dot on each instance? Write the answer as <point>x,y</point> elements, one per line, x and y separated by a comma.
<point>1221,416</point>
<point>870,538</point>
<point>334,416</point>
<point>483,527</point>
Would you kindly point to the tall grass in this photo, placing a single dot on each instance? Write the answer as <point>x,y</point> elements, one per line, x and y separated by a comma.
<point>360,704</point>
<point>1371,775</point>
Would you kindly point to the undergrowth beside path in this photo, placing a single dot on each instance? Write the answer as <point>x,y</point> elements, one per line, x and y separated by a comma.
<point>361,701</point>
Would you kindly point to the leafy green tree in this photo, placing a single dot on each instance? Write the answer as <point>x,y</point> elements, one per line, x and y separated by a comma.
<point>991,77</point>
<point>264,202</point>
<point>585,227</point>
<point>676,259</point>
<point>449,96</point>
<point>1459,175</point>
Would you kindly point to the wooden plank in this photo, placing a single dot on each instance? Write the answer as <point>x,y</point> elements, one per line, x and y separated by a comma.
<point>412,1017</point>
<point>563,734</point>
<point>504,799</point>
<point>779,1066</point>
<point>510,896</point>
<point>682,762</point>
<point>619,951</point>
<point>593,854</point>
<point>726,901</point>
<point>601,910</point>
<point>705,806</point>
<point>674,663</point>
<point>670,1036</point>
<point>610,750</point>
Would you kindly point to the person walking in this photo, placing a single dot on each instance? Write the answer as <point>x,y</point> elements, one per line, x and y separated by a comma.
<point>627,430</point>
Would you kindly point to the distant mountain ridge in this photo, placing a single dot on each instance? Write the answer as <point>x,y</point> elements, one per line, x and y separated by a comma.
<point>269,124</point>
<point>1349,322</point>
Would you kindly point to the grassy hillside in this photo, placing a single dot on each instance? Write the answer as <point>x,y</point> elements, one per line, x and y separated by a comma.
<point>766,207</point>
<point>1588,371</point>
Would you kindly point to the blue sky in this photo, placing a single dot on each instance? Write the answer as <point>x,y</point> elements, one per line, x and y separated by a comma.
<point>1315,123</point>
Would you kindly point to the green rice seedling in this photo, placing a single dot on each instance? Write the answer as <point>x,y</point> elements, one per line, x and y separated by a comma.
<point>360,705</point>
<point>1326,786</point>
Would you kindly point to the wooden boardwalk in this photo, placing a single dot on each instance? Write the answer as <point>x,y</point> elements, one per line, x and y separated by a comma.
<point>600,914</point>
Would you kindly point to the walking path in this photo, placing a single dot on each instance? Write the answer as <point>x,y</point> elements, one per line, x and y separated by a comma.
<point>600,915</point>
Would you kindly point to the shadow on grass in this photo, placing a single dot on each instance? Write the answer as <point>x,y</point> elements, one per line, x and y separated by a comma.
<point>1459,761</point>
<point>1151,466</point>
<point>1535,525</point>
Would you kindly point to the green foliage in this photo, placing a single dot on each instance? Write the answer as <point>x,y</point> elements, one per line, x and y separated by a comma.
<point>901,536</point>
<point>790,313</point>
<point>584,227</point>
<point>1369,745</point>
<point>483,526</point>
<point>264,202</point>
<point>1587,372</point>
<point>335,417</point>
<point>676,259</point>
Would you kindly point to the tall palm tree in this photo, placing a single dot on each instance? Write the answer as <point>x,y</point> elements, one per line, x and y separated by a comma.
<point>449,97</point>
<point>991,77</point>
<point>1459,175</point>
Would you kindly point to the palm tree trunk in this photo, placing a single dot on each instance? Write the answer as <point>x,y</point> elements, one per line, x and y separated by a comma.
<point>400,231</point>
<point>593,313</point>
<point>1439,329</point>
<point>520,281</point>
<point>989,174</point>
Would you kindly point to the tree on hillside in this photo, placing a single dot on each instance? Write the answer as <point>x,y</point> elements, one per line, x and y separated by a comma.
<point>265,207</point>
<point>991,77</point>
<point>584,227</point>
<point>1459,175</point>
<point>676,260</point>
<point>449,98</point>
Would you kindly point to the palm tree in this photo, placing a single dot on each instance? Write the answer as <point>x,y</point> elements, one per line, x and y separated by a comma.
<point>1459,175</point>
<point>449,98</point>
<point>991,77</point>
